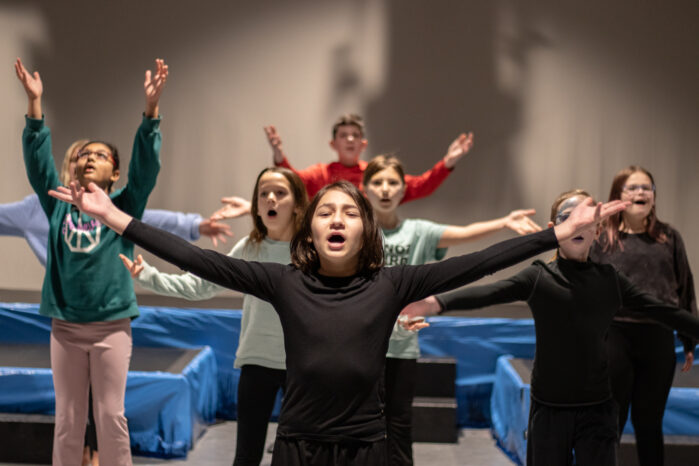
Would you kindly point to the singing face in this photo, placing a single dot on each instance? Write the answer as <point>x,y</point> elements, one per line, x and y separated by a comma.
<point>95,163</point>
<point>349,143</point>
<point>579,246</point>
<point>640,191</point>
<point>276,205</point>
<point>337,229</point>
<point>385,190</point>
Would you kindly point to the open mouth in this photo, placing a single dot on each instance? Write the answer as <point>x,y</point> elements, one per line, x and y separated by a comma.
<point>578,239</point>
<point>89,168</point>
<point>385,200</point>
<point>640,202</point>
<point>271,213</point>
<point>336,241</point>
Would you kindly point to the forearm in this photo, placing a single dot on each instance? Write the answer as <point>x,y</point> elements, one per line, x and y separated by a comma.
<point>454,235</point>
<point>247,277</point>
<point>186,226</point>
<point>417,187</point>
<point>185,286</point>
<point>34,108</point>
<point>425,280</point>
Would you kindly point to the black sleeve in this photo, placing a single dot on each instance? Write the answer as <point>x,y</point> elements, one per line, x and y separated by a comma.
<point>648,306</point>
<point>255,278</point>
<point>516,288</point>
<point>685,292</point>
<point>416,282</point>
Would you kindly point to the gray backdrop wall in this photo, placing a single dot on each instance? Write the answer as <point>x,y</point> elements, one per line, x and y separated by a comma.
<point>559,95</point>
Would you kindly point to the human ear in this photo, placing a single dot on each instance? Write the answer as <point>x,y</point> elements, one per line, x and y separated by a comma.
<point>115,175</point>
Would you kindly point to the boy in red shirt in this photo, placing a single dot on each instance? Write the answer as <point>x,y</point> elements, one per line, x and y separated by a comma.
<point>349,143</point>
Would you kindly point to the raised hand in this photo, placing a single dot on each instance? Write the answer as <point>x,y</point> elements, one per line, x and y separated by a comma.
<point>412,324</point>
<point>134,267</point>
<point>276,142</point>
<point>32,86</point>
<point>585,214</point>
<point>215,230</point>
<point>519,221</point>
<point>234,207</point>
<point>94,202</point>
<point>153,87</point>
<point>460,147</point>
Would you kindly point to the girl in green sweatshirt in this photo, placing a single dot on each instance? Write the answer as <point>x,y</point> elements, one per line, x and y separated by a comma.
<point>86,291</point>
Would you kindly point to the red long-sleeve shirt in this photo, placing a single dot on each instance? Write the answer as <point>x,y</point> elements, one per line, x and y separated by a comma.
<point>321,174</point>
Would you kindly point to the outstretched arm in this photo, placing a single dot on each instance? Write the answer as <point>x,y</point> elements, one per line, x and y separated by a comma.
<point>255,278</point>
<point>517,221</point>
<point>416,282</point>
<point>417,187</point>
<point>516,288</point>
<point>186,286</point>
<point>233,207</point>
<point>33,87</point>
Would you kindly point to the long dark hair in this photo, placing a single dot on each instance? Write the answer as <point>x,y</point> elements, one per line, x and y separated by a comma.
<point>298,190</point>
<point>303,252</point>
<point>654,227</point>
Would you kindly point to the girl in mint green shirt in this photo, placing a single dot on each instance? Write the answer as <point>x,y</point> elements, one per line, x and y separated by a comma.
<point>414,242</point>
<point>278,202</point>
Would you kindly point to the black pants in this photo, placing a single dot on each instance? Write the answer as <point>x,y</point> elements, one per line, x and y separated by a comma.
<point>300,452</point>
<point>257,392</point>
<point>399,384</point>
<point>584,436</point>
<point>642,366</point>
<point>91,430</point>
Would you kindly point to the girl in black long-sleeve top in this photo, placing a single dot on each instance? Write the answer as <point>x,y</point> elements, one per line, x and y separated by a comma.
<point>337,306</point>
<point>573,301</point>
<point>641,352</point>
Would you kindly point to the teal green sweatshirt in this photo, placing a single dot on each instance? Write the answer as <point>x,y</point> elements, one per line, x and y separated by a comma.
<point>85,280</point>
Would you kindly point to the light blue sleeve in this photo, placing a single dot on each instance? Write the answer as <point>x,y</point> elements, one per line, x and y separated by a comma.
<point>186,286</point>
<point>27,219</point>
<point>186,226</point>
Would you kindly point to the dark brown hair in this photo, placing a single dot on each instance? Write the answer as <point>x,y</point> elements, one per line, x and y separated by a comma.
<point>654,227</point>
<point>382,162</point>
<point>303,252</point>
<point>298,190</point>
<point>349,119</point>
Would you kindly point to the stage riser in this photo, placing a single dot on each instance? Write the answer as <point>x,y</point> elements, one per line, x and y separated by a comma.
<point>436,377</point>
<point>434,420</point>
<point>26,438</point>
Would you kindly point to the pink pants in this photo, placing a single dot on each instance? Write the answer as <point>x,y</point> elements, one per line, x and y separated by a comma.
<point>97,354</point>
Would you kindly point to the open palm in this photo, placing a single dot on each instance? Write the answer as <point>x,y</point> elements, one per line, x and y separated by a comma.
<point>93,201</point>
<point>31,82</point>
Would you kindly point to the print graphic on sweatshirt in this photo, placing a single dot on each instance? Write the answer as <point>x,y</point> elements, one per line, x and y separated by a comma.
<point>83,237</point>
<point>396,254</point>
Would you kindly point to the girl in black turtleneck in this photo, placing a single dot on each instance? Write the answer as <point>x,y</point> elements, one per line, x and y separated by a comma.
<point>641,352</point>
<point>573,301</point>
<point>337,305</point>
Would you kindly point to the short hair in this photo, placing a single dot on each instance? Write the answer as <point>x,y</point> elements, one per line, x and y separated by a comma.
<point>298,190</point>
<point>654,227</point>
<point>382,162</point>
<point>349,119</point>
<point>303,252</point>
<point>74,148</point>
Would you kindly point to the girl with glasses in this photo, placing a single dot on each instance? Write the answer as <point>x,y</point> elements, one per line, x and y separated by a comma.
<point>87,292</point>
<point>641,352</point>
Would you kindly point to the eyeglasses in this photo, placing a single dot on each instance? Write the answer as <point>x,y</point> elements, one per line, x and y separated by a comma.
<point>101,155</point>
<point>632,188</point>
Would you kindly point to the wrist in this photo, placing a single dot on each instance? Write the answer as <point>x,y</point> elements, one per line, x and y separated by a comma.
<point>152,110</point>
<point>449,161</point>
